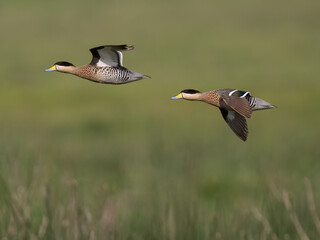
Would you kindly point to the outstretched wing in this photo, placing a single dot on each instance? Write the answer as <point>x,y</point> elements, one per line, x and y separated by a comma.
<point>236,122</point>
<point>108,55</point>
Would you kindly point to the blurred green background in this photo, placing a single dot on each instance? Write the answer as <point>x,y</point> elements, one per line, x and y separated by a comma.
<point>80,160</point>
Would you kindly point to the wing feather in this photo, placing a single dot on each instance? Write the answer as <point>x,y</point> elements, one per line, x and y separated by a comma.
<point>108,55</point>
<point>240,105</point>
<point>236,122</point>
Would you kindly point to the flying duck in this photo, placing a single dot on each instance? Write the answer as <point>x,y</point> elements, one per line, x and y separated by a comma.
<point>105,66</point>
<point>235,106</point>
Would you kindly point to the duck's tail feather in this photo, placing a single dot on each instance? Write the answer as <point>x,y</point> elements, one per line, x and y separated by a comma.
<point>137,76</point>
<point>259,104</point>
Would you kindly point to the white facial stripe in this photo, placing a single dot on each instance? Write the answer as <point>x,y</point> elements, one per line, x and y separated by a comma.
<point>245,94</point>
<point>232,92</point>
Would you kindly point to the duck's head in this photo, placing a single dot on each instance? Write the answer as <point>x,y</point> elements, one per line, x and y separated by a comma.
<point>61,67</point>
<point>188,94</point>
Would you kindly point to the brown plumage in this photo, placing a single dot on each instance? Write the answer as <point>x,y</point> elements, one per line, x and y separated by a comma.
<point>105,66</point>
<point>235,106</point>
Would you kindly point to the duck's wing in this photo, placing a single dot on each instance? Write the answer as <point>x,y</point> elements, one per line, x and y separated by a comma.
<point>236,122</point>
<point>108,55</point>
<point>238,104</point>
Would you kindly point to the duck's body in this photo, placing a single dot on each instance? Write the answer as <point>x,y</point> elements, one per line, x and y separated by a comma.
<point>235,106</point>
<point>105,66</point>
<point>112,75</point>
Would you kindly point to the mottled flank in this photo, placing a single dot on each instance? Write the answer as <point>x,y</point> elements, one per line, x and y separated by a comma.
<point>111,75</point>
<point>235,106</point>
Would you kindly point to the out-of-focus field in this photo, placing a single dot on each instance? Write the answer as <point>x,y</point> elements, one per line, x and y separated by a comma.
<point>80,160</point>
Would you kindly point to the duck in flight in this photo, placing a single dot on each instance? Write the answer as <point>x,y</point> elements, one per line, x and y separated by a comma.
<point>105,66</point>
<point>235,106</point>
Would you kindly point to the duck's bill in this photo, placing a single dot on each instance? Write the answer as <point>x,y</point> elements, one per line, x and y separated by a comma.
<point>53,68</point>
<point>178,96</point>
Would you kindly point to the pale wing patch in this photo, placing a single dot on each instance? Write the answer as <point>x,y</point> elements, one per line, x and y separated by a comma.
<point>100,63</point>
<point>120,57</point>
<point>236,122</point>
<point>109,57</point>
<point>230,116</point>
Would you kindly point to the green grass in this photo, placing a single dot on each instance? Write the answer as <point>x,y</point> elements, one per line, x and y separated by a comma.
<point>80,160</point>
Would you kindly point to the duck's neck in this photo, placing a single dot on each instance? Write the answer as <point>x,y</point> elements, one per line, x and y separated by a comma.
<point>210,97</point>
<point>194,97</point>
<point>66,69</point>
<point>201,96</point>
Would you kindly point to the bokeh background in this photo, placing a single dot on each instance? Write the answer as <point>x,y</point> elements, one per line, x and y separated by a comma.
<point>80,160</point>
